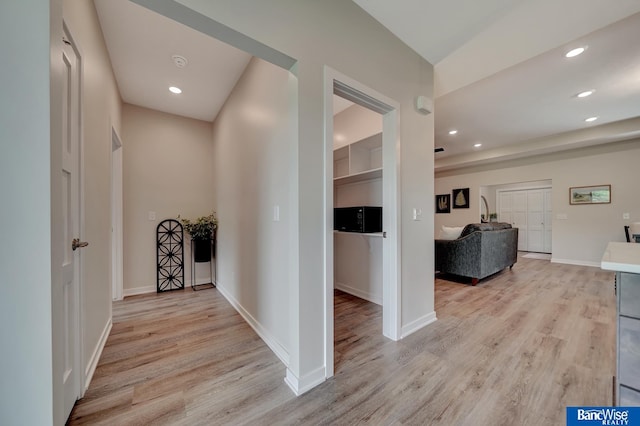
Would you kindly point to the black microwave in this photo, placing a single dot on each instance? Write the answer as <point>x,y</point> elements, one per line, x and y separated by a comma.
<point>357,219</point>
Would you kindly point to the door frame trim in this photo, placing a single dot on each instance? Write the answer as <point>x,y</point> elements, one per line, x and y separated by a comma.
<point>117,217</point>
<point>391,292</point>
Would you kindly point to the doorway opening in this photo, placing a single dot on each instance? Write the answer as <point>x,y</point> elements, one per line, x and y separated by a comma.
<point>357,189</point>
<point>364,172</point>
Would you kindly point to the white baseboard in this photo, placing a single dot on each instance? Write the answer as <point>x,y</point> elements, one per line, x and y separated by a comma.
<point>95,357</point>
<point>373,298</point>
<point>416,325</point>
<point>306,383</point>
<point>575,262</point>
<point>152,288</point>
<point>264,334</point>
<point>138,290</point>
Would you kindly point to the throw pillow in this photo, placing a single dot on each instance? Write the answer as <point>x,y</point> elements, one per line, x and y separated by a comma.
<point>450,232</point>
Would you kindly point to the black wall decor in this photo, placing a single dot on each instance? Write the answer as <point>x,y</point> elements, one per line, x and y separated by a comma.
<point>460,198</point>
<point>170,255</point>
<point>443,203</point>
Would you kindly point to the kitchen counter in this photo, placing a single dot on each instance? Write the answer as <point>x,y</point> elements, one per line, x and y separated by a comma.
<point>621,257</point>
<point>624,259</point>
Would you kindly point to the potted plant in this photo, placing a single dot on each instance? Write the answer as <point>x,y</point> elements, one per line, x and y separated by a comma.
<point>202,231</point>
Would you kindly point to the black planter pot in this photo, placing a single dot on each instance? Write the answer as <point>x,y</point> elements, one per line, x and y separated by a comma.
<point>201,250</point>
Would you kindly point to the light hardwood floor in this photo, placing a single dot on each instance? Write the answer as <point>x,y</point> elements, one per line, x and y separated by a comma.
<point>514,350</point>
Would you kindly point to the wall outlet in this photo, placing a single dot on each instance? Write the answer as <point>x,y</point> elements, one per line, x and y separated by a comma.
<point>625,216</point>
<point>417,214</point>
<point>152,215</point>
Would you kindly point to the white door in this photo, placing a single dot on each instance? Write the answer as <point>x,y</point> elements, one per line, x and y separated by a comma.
<point>68,335</point>
<point>548,210</point>
<point>513,210</point>
<point>519,218</point>
<point>530,212</point>
<point>535,220</point>
<point>505,211</point>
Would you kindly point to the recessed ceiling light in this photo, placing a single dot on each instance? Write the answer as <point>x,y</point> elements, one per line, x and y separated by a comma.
<point>590,119</point>
<point>477,145</point>
<point>176,90</point>
<point>575,52</point>
<point>453,132</point>
<point>585,93</point>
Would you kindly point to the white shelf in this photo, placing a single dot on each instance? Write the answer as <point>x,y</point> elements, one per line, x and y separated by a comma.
<point>365,234</point>
<point>358,161</point>
<point>358,177</point>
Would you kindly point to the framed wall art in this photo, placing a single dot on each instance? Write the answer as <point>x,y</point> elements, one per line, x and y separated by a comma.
<point>460,198</point>
<point>600,194</point>
<point>443,203</point>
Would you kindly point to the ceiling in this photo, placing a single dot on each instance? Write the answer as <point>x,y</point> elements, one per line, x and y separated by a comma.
<point>141,44</point>
<point>501,78</point>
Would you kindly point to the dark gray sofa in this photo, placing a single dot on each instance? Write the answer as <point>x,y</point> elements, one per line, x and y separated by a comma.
<point>481,250</point>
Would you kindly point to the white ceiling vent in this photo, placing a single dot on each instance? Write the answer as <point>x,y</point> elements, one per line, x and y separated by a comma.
<point>180,61</point>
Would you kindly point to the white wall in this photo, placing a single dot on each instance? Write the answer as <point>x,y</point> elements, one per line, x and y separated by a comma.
<point>583,236</point>
<point>101,110</point>
<point>168,171</point>
<point>253,137</point>
<point>342,36</point>
<point>26,393</point>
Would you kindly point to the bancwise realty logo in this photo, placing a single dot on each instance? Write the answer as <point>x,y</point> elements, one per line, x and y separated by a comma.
<point>606,416</point>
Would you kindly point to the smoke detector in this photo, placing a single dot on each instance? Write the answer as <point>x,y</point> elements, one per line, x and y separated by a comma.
<point>180,61</point>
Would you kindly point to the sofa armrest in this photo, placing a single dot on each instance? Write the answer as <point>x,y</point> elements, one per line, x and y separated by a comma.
<point>459,257</point>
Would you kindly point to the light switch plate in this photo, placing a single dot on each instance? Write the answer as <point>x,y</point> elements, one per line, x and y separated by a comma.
<point>625,216</point>
<point>152,215</point>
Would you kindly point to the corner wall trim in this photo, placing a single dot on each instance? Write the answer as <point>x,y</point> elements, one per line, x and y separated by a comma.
<point>575,262</point>
<point>264,334</point>
<point>416,325</point>
<point>306,383</point>
<point>95,357</point>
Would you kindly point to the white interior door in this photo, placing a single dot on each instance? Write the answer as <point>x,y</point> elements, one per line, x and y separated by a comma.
<point>535,220</point>
<point>519,216</point>
<point>69,334</point>
<point>505,212</point>
<point>530,211</point>
<point>513,210</point>
<point>548,219</point>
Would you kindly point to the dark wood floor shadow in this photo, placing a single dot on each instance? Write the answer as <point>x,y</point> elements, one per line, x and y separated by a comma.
<point>514,350</point>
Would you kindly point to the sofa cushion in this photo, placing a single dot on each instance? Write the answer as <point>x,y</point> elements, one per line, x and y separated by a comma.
<point>488,226</point>
<point>450,232</point>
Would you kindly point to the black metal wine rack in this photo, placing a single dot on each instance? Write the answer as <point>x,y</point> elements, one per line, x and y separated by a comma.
<point>170,255</point>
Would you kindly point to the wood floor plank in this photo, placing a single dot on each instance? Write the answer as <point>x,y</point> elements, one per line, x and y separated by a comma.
<point>515,349</point>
